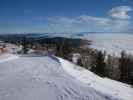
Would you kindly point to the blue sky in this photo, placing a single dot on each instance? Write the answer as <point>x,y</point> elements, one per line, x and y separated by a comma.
<point>26,16</point>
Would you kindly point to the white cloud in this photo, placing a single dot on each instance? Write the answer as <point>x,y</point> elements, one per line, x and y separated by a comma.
<point>91,19</point>
<point>120,22</point>
<point>120,12</point>
<point>83,20</point>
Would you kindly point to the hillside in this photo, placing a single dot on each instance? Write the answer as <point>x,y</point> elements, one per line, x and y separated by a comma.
<point>34,77</point>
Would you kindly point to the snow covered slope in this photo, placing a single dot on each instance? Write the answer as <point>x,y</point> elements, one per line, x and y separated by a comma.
<point>104,85</point>
<point>35,77</point>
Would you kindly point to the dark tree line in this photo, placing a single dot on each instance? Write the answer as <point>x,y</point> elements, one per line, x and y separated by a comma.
<point>120,69</point>
<point>63,49</point>
<point>126,68</point>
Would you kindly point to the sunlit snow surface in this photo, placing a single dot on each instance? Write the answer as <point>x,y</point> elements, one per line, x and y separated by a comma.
<point>42,78</point>
<point>104,85</point>
<point>35,77</point>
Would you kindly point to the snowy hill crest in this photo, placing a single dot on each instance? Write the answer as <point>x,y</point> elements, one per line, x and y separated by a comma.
<point>51,78</point>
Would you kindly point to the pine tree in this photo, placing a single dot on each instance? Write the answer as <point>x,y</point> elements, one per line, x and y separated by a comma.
<point>24,44</point>
<point>63,48</point>
<point>100,64</point>
<point>124,65</point>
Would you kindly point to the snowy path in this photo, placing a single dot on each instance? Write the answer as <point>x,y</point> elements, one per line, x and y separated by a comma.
<point>42,78</point>
<point>103,85</point>
<point>7,57</point>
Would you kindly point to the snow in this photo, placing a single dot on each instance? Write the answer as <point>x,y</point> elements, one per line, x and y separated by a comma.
<point>7,57</point>
<point>103,85</point>
<point>35,77</point>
